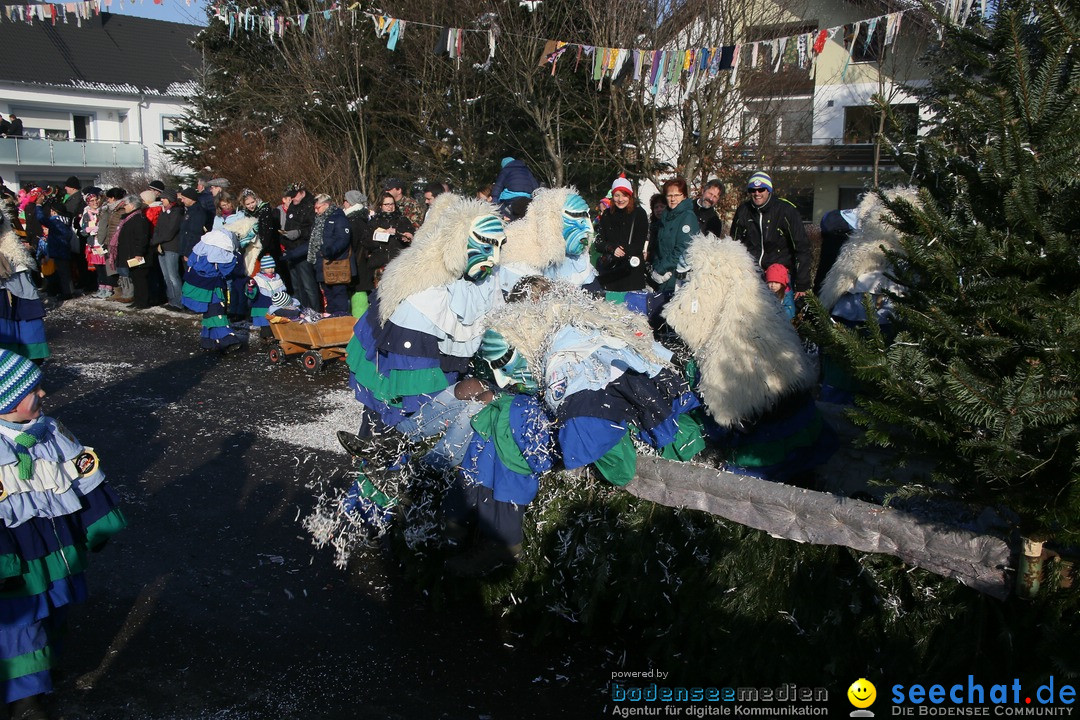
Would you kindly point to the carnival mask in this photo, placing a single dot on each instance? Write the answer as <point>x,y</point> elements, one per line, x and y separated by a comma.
<point>577,227</point>
<point>485,238</point>
<point>510,367</point>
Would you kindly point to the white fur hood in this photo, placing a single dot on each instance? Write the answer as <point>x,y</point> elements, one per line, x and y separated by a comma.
<point>748,353</point>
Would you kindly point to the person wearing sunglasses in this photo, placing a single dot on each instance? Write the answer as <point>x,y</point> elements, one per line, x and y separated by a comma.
<point>772,231</point>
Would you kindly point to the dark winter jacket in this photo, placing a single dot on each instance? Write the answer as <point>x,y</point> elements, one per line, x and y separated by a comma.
<point>709,220</point>
<point>630,231</point>
<point>207,202</point>
<point>133,239</point>
<point>269,218</point>
<point>298,222</point>
<point>375,254</point>
<point>58,246</point>
<point>358,220</point>
<point>835,230</point>
<point>167,230</point>
<point>195,223</point>
<point>677,226</point>
<point>74,204</point>
<point>774,234</point>
<point>336,242</point>
<point>515,177</point>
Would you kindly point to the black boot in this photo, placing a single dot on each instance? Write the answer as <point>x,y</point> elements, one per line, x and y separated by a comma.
<point>354,445</point>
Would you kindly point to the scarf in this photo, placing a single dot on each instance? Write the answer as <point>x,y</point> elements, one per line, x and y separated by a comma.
<point>315,244</point>
<point>23,442</point>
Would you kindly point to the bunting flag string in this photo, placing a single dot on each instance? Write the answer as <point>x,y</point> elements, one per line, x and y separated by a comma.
<point>657,69</point>
<point>54,12</point>
<point>63,12</point>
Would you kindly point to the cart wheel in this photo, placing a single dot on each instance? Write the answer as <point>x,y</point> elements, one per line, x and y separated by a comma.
<point>276,355</point>
<point>312,361</point>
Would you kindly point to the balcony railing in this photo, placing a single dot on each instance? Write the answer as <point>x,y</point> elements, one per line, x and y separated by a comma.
<point>837,157</point>
<point>79,153</point>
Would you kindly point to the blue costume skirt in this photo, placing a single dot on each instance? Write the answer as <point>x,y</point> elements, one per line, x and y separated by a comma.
<point>22,326</point>
<point>42,562</point>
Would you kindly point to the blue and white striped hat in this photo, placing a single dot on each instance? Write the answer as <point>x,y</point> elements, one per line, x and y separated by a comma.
<point>18,377</point>
<point>266,262</point>
<point>759,180</point>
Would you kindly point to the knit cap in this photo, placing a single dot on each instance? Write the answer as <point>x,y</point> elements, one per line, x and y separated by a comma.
<point>778,273</point>
<point>759,180</point>
<point>281,299</point>
<point>18,377</point>
<point>267,263</point>
<point>621,183</point>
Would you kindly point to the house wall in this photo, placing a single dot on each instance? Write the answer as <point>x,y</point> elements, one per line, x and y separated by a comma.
<point>113,118</point>
<point>839,84</point>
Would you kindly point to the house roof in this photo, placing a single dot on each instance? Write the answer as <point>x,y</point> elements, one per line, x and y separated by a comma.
<point>108,53</point>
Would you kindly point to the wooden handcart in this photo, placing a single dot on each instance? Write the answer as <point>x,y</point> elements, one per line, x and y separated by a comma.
<point>314,342</point>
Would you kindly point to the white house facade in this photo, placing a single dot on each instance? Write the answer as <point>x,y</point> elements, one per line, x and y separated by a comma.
<point>819,128</point>
<point>102,97</point>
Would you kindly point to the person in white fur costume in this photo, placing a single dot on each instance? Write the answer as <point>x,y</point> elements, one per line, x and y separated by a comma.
<point>552,240</point>
<point>424,323</point>
<point>753,374</point>
<point>862,269</point>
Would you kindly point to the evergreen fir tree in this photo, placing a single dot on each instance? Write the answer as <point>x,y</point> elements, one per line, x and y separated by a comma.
<point>983,373</point>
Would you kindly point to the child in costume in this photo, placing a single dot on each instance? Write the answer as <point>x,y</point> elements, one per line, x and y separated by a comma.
<point>54,507</point>
<point>22,314</point>
<point>261,289</point>
<point>214,261</point>
<point>248,244</point>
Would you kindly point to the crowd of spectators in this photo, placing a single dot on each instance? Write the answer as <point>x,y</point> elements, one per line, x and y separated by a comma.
<point>132,245</point>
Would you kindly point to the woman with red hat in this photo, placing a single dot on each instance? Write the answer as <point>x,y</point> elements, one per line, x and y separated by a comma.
<point>622,240</point>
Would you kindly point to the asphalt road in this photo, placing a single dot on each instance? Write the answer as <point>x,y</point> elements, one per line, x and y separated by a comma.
<point>214,602</point>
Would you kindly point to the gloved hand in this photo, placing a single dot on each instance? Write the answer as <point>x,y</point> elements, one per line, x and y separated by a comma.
<point>658,278</point>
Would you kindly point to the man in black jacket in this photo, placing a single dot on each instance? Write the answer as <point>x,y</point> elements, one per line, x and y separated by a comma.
<point>15,127</point>
<point>196,221</point>
<point>772,231</point>
<point>705,208</point>
<point>295,236</point>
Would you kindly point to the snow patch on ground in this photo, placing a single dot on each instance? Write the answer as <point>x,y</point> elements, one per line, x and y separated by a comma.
<point>339,411</point>
<point>101,372</point>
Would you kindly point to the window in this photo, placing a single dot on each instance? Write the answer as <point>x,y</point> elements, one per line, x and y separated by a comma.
<point>849,197</point>
<point>39,122</point>
<point>785,120</point>
<point>869,47</point>
<point>796,121</point>
<point>792,76</point>
<point>861,122</point>
<point>170,133</point>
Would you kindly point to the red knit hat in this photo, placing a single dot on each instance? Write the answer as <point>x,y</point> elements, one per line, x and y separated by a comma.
<point>778,273</point>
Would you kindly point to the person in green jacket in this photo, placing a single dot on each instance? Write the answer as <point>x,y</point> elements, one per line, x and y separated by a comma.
<point>677,226</point>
